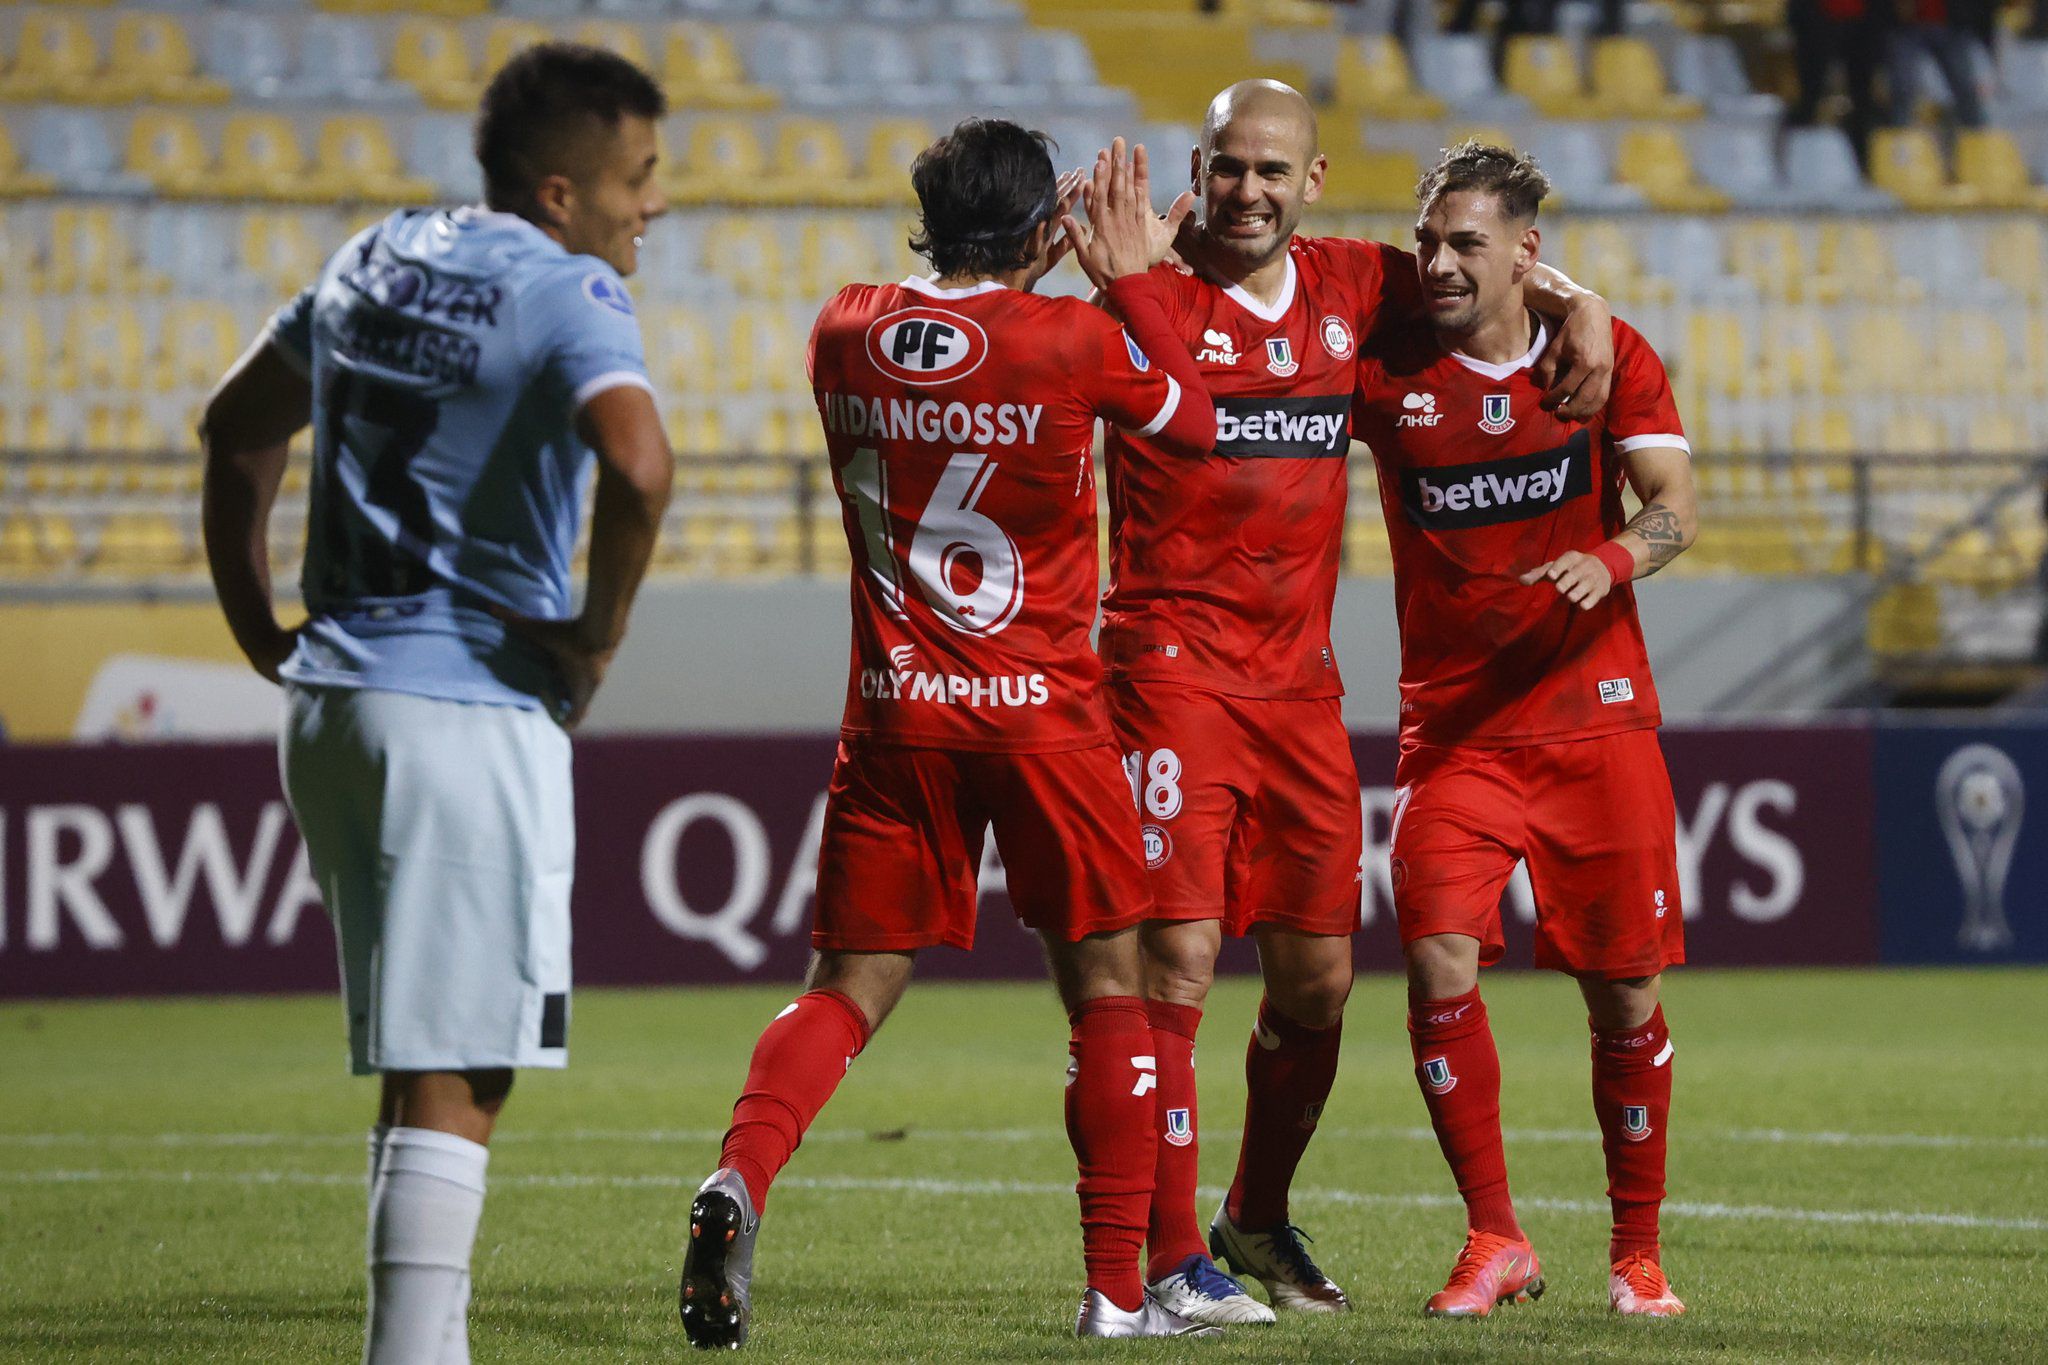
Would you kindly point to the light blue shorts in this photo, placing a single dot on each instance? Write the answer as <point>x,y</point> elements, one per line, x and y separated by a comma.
<point>443,838</point>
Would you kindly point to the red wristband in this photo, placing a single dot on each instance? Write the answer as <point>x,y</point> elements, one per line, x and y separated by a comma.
<point>1621,565</point>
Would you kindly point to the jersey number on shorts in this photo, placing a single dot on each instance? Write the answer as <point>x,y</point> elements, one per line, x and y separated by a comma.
<point>965,566</point>
<point>1155,781</point>
<point>382,427</point>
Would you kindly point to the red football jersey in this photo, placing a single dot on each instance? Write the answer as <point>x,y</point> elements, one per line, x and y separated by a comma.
<point>1479,485</point>
<point>960,425</point>
<point>1223,570</point>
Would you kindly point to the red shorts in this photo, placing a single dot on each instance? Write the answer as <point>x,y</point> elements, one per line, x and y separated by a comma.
<point>1250,806</point>
<point>1593,818</point>
<point>901,856</point>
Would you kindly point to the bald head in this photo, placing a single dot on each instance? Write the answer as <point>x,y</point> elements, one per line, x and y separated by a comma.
<point>1272,105</point>
<point>1256,169</point>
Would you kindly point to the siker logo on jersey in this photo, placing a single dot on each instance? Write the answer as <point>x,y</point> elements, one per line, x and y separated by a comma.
<point>1451,497</point>
<point>926,346</point>
<point>1314,428</point>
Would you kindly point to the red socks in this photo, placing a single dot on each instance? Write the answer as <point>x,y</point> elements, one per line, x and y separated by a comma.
<point>1459,1071</point>
<point>1288,1071</point>
<point>1111,1110</point>
<point>1172,1236</point>
<point>797,1065</point>
<point>1632,1097</point>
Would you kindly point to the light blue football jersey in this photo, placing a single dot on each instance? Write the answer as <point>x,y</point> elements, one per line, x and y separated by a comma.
<point>449,353</point>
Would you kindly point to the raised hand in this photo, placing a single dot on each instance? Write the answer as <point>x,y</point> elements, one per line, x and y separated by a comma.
<point>1123,236</point>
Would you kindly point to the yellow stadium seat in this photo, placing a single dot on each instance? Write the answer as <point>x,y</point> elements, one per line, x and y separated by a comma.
<point>1988,161</point>
<point>1906,162</point>
<point>151,57</point>
<point>449,9</point>
<point>1628,82</point>
<point>625,39</point>
<point>260,158</point>
<point>431,57</point>
<point>508,38</point>
<point>1970,353</point>
<point>140,544</point>
<point>1600,255</point>
<point>1371,181</point>
<point>811,165</point>
<point>702,70</point>
<point>356,161</point>
<point>101,348</point>
<point>761,353</point>
<point>1993,432</point>
<point>1545,71</point>
<point>680,351</point>
<point>277,248</point>
<point>885,169</point>
<point>1884,356</point>
<point>1655,161</point>
<point>722,162</point>
<point>1716,359</point>
<point>1373,79</point>
<point>1823,431</point>
<point>749,256</point>
<point>1853,260</point>
<point>196,342</point>
<point>55,58</point>
<point>165,148</point>
<point>16,182</point>
<point>1796,351</point>
<point>2016,255</point>
<point>832,249</point>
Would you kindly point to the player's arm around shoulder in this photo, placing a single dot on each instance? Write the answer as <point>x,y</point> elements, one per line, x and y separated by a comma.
<point>264,399</point>
<point>1643,423</point>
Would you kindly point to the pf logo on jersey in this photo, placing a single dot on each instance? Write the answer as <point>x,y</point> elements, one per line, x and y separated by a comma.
<point>926,346</point>
<point>1437,1077</point>
<point>1635,1122</point>
<point>1180,1128</point>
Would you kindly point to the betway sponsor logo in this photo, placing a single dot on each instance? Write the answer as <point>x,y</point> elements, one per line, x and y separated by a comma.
<point>950,689</point>
<point>1313,428</point>
<point>1450,497</point>
<point>907,419</point>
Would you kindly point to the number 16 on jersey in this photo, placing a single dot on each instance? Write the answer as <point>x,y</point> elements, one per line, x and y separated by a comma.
<point>964,565</point>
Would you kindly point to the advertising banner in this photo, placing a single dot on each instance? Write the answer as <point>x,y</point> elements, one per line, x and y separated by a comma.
<point>156,869</point>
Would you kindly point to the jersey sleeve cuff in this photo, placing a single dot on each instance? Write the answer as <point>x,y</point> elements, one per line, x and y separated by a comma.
<point>299,361</point>
<point>1666,441</point>
<point>610,379</point>
<point>1166,410</point>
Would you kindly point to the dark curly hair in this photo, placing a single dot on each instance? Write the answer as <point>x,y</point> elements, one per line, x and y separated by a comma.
<point>982,188</point>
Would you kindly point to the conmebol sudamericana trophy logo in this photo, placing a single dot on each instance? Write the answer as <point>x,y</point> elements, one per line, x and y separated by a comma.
<point>1980,800</point>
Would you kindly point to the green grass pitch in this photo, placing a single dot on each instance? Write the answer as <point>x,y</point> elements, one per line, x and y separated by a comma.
<point>1859,1170</point>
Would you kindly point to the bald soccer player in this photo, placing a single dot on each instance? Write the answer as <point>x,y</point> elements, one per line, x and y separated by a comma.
<point>1224,691</point>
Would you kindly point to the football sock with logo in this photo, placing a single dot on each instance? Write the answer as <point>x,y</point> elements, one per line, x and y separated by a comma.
<point>1173,1235</point>
<point>1632,1097</point>
<point>423,1219</point>
<point>1459,1071</point>
<point>1288,1071</point>
<point>797,1064</point>
<point>1112,1124</point>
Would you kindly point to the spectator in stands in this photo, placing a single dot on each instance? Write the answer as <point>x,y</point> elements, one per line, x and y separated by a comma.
<point>1531,16</point>
<point>1845,34</point>
<point>1949,32</point>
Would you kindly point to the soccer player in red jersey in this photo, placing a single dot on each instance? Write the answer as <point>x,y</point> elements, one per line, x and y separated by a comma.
<point>1224,690</point>
<point>959,413</point>
<point>1528,717</point>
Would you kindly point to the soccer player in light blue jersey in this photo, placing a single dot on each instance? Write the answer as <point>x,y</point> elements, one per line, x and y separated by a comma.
<point>464,373</point>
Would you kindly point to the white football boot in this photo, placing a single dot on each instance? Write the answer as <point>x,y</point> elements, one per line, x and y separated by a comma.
<point>1101,1318</point>
<point>1198,1291</point>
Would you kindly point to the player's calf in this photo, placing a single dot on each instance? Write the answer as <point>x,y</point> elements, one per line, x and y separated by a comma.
<point>716,1294</point>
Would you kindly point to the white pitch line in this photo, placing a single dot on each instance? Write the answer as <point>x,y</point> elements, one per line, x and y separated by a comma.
<point>662,1136</point>
<point>949,1188</point>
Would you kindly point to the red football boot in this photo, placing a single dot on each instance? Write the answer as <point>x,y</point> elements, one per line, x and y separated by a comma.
<point>1491,1269</point>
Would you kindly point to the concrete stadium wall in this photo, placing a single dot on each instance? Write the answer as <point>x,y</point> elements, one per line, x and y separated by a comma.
<point>770,657</point>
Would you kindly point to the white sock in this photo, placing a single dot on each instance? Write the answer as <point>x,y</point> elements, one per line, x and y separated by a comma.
<point>423,1216</point>
<point>378,1134</point>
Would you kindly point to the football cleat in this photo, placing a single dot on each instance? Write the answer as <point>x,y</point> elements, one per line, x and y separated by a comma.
<point>1277,1259</point>
<point>1637,1286</point>
<point>718,1263</point>
<point>1198,1291</point>
<point>1101,1318</point>
<point>1491,1270</point>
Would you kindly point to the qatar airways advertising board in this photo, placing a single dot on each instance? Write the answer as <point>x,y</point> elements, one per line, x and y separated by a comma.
<point>158,869</point>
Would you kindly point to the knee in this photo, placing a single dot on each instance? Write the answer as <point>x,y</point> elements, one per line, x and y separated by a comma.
<point>1441,966</point>
<point>1623,1004</point>
<point>874,982</point>
<point>1179,973</point>
<point>1314,998</point>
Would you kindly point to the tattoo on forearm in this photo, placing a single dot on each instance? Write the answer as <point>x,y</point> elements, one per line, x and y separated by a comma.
<point>1657,526</point>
